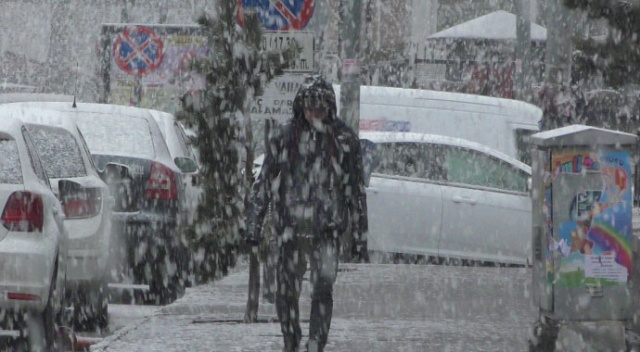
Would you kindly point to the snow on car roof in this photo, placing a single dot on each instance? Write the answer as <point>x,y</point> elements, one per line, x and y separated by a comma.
<point>132,141</point>
<point>36,114</point>
<point>6,98</point>
<point>390,137</point>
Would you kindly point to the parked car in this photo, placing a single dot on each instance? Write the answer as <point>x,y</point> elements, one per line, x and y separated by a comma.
<point>65,155</point>
<point>446,198</point>
<point>33,239</point>
<point>182,152</point>
<point>148,215</point>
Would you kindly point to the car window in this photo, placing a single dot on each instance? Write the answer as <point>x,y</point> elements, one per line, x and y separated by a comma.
<point>34,158</point>
<point>471,167</point>
<point>59,151</point>
<point>185,150</point>
<point>418,160</point>
<point>117,135</point>
<point>85,147</point>
<point>10,170</point>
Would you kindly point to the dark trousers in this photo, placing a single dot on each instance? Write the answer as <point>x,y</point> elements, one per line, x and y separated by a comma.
<point>292,265</point>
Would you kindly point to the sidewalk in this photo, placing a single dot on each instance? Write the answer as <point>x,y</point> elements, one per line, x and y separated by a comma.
<point>377,308</point>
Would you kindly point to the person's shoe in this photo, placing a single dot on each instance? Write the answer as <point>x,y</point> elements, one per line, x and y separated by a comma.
<point>290,346</point>
<point>313,346</point>
<point>269,297</point>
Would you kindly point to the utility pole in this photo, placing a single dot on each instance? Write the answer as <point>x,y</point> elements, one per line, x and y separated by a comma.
<point>523,50</point>
<point>350,13</point>
<point>558,59</point>
<point>350,22</point>
<point>559,45</point>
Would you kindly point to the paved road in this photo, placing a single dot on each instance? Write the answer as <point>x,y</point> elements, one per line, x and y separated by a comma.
<point>377,308</point>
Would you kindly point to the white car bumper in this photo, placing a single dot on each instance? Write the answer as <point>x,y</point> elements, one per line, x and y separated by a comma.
<point>25,278</point>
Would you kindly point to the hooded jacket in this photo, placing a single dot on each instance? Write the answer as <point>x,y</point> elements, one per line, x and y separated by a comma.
<point>290,178</point>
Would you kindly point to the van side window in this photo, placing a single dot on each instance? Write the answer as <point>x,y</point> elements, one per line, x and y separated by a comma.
<point>470,167</point>
<point>416,160</point>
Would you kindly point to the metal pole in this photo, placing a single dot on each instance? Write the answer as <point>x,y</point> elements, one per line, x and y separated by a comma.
<point>559,45</point>
<point>350,15</point>
<point>558,58</point>
<point>523,50</point>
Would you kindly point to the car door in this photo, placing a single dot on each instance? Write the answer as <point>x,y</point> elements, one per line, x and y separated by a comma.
<point>404,199</point>
<point>486,209</point>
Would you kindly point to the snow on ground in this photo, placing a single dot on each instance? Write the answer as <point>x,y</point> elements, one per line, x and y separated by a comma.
<point>377,308</point>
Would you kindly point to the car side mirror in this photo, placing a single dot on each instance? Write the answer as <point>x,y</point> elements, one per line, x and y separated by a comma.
<point>185,164</point>
<point>368,161</point>
<point>115,172</point>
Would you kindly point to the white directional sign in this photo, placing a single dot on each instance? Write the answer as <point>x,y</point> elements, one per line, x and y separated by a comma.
<point>277,101</point>
<point>280,40</point>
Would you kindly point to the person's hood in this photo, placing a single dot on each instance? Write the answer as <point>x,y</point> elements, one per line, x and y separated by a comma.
<point>324,89</point>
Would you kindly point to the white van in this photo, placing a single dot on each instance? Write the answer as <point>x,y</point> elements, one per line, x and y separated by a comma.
<point>501,124</point>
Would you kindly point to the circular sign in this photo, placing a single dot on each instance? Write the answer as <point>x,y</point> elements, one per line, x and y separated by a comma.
<point>137,50</point>
<point>279,14</point>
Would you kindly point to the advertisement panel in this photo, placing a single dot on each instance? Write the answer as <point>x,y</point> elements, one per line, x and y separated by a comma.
<point>591,210</point>
<point>149,65</point>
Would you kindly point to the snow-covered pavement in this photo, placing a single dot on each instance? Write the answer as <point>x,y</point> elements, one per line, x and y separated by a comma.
<point>377,308</point>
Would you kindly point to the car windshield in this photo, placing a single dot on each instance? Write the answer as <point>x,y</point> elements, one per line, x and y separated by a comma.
<point>117,135</point>
<point>59,152</point>
<point>10,171</point>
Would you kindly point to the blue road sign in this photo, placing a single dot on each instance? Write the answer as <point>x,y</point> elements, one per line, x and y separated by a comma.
<point>280,14</point>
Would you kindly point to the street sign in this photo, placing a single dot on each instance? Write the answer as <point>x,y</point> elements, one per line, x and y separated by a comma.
<point>279,14</point>
<point>162,87</point>
<point>137,50</point>
<point>281,40</point>
<point>351,67</point>
<point>277,100</point>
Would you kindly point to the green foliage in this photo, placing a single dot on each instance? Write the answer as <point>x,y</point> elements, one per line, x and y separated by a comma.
<point>236,71</point>
<point>616,57</point>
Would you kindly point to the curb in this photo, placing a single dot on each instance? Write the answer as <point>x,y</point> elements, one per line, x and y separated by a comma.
<point>104,344</point>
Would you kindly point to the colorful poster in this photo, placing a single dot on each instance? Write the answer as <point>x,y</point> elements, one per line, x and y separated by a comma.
<point>151,66</point>
<point>591,195</point>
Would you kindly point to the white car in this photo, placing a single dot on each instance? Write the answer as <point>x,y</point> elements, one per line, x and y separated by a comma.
<point>33,239</point>
<point>447,198</point>
<point>180,148</point>
<point>148,213</point>
<point>65,155</point>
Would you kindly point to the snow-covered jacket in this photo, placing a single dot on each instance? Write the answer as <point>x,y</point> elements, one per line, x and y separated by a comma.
<point>309,171</point>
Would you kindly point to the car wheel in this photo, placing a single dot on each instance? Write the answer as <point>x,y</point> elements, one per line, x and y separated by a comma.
<point>91,308</point>
<point>166,286</point>
<point>41,328</point>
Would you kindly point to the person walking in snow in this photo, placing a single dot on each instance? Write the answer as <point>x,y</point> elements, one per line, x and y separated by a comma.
<point>313,177</point>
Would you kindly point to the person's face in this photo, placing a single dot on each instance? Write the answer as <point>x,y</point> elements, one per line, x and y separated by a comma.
<point>315,111</point>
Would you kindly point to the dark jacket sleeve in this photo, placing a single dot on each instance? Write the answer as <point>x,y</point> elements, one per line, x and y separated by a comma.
<point>261,191</point>
<point>358,198</point>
